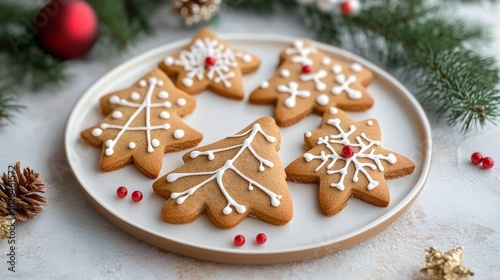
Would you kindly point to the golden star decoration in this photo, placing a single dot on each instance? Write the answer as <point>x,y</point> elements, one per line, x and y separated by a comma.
<point>445,266</point>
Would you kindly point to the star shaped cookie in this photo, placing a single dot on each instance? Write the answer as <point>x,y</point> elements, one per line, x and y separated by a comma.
<point>142,123</point>
<point>208,62</point>
<point>346,158</point>
<point>308,80</point>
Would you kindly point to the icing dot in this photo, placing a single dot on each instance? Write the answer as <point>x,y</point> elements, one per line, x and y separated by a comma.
<point>142,83</point>
<point>247,58</point>
<point>169,60</point>
<point>166,126</point>
<point>164,115</point>
<point>155,142</point>
<point>163,94</point>
<point>104,125</point>
<point>337,69</point>
<point>356,67</point>
<point>333,110</point>
<point>116,114</point>
<point>326,61</point>
<point>370,122</point>
<point>178,133</point>
<point>109,151</point>
<point>160,83</point>
<point>308,134</point>
<point>109,143</point>
<point>322,99</point>
<point>187,82</point>
<point>181,102</point>
<point>114,99</point>
<point>167,104</point>
<point>131,145</point>
<point>96,132</point>
<point>135,96</point>
<point>285,73</point>
<point>153,80</point>
<point>264,84</point>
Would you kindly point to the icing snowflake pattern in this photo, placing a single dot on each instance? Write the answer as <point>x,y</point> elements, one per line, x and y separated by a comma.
<point>146,105</point>
<point>366,151</point>
<point>193,62</point>
<point>293,89</point>
<point>218,174</point>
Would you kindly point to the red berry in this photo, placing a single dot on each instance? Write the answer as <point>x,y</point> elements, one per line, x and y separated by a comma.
<point>307,69</point>
<point>239,240</point>
<point>210,61</point>
<point>261,238</point>
<point>347,151</point>
<point>476,158</point>
<point>136,196</point>
<point>488,162</point>
<point>121,192</point>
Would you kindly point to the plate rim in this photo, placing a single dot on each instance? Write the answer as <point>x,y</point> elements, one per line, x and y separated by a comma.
<point>260,256</point>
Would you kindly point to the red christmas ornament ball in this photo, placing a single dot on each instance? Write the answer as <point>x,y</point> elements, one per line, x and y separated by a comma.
<point>476,158</point>
<point>66,29</point>
<point>239,240</point>
<point>488,163</point>
<point>350,7</point>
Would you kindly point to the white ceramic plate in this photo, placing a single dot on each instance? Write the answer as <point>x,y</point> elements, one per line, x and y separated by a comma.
<point>309,234</point>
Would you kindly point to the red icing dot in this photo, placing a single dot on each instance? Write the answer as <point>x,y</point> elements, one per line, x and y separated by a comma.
<point>239,240</point>
<point>307,69</point>
<point>210,61</point>
<point>261,238</point>
<point>347,151</point>
<point>488,162</point>
<point>136,196</point>
<point>121,192</point>
<point>476,158</point>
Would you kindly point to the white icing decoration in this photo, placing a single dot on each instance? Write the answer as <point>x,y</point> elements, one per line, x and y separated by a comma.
<point>293,90</point>
<point>181,102</point>
<point>146,105</point>
<point>131,145</point>
<point>285,73</point>
<point>345,86</point>
<point>155,143</point>
<point>178,133</point>
<point>163,94</point>
<point>365,151</point>
<point>308,134</point>
<point>143,83</point>
<point>169,60</point>
<point>135,96</point>
<point>96,132</point>
<point>302,53</point>
<point>316,77</point>
<point>370,122</point>
<point>322,99</point>
<point>165,115</point>
<point>356,67</point>
<point>337,69</point>
<point>264,84</point>
<point>160,83</point>
<point>333,111</point>
<point>326,61</point>
<point>116,114</point>
<point>218,174</point>
<point>193,62</point>
<point>244,56</point>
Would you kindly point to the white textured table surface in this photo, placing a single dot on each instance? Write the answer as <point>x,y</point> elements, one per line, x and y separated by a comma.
<point>460,204</point>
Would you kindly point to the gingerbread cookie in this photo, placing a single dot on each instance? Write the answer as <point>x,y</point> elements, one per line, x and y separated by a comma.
<point>208,62</point>
<point>231,179</point>
<point>142,123</point>
<point>346,159</point>
<point>308,80</point>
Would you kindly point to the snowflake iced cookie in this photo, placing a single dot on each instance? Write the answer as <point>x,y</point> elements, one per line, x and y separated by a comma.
<point>142,123</point>
<point>346,159</point>
<point>309,81</point>
<point>207,62</point>
<point>231,179</point>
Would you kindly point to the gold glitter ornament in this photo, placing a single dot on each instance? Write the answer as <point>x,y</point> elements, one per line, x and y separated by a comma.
<point>5,226</point>
<point>195,11</point>
<point>445,266</point>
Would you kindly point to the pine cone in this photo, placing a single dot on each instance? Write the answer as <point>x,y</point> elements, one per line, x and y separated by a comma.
<point>194,11</point>
<point>28,203</point>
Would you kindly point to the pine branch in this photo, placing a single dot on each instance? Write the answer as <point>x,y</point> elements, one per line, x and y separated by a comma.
<point>8,107</point>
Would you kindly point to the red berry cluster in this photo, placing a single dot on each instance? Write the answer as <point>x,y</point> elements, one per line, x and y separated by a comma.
<point>122,192</point>
<point>477,158</point>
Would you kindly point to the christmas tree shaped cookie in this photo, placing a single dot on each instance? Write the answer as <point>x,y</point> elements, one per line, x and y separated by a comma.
<point>208,62</point>
<point>309,81</point>
<point>346,159</point>
<point>231,179</point>
<point>142,123</point>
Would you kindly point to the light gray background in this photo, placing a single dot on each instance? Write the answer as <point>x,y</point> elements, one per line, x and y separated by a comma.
<point>460,204</point>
